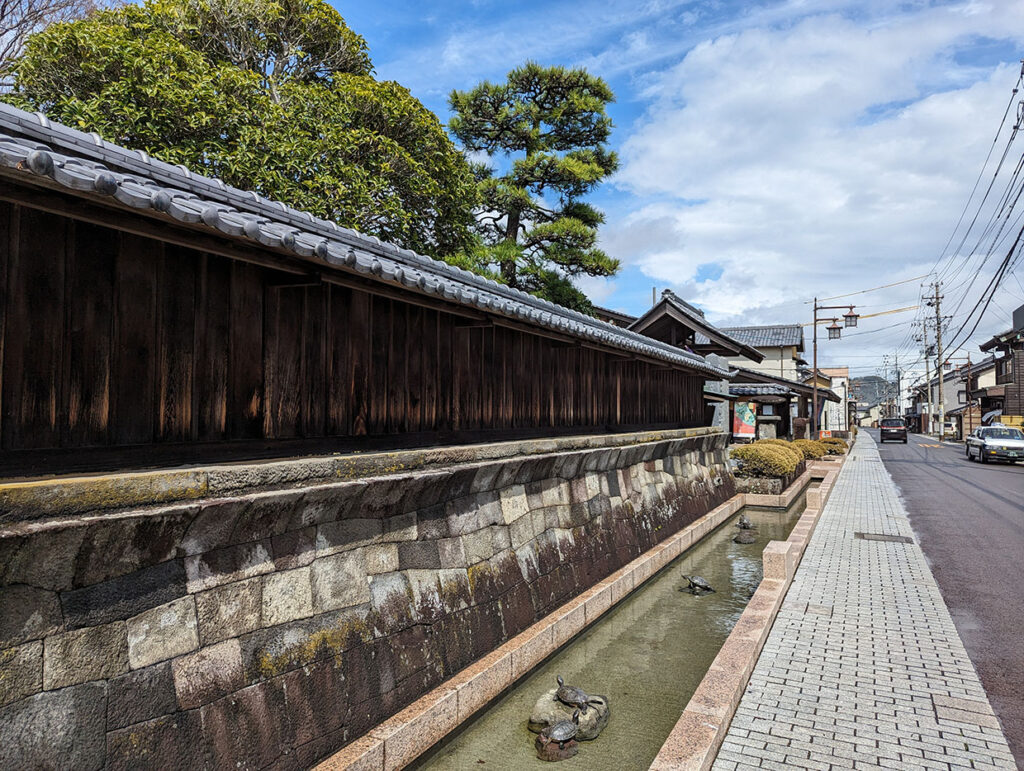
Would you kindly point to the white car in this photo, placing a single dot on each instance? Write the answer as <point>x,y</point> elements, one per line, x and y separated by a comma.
<point>996,443</point>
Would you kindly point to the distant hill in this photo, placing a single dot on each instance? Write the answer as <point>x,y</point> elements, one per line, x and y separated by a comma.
<point>871,388</point>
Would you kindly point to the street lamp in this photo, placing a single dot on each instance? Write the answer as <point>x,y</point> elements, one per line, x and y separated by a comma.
<point>835,332</point>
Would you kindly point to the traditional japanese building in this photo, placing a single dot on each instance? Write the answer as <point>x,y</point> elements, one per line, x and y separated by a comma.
<point>1004,400</point>
<point>152,315</point>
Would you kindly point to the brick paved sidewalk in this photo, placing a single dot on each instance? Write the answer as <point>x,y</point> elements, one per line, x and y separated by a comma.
<point>863,667</point>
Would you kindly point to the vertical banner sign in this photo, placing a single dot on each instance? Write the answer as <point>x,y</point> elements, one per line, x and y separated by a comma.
<point>743,420</point>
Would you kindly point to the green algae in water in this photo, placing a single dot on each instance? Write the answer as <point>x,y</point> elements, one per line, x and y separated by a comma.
<point>647,656</point>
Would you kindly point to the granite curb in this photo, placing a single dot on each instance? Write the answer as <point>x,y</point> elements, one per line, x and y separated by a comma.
<point>694,741</point>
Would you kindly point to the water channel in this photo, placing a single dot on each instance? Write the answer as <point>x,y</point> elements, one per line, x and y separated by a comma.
<point>647,656</point>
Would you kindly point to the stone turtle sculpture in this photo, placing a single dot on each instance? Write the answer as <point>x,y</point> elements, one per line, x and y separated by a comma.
<point>573,696</point>
<point>745,536</point>
<point>697,585</point>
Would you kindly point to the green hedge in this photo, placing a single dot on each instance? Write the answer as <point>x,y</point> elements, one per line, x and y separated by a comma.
<point>797,454</point>
<point>812,450</point>
<point>765,460</point>
<point>834,445</point>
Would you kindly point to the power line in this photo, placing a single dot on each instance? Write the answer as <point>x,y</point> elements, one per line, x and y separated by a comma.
<point>873,289</point>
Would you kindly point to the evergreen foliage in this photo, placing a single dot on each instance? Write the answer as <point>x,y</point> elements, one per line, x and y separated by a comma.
<point>764,460</point>
<point>812,449</point>
<point>536,230</point>
<point>273,96</point>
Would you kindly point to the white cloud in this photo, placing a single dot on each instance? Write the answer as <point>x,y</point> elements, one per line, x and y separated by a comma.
<point>816,157</point>
<point>598,289</point>
<point>806,146</point>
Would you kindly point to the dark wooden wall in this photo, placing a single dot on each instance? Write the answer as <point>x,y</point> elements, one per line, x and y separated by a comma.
<point>1013,402</point>
<point>110,339</point>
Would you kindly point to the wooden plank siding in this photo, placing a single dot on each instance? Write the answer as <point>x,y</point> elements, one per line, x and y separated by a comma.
<point>116,340</point>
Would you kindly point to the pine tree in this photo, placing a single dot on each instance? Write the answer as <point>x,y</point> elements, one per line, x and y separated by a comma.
<point>551,125</point>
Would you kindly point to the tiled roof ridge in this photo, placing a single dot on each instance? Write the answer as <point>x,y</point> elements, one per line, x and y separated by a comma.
<point>697,315</point>
<point>199,200</point>
<point>766,326</point>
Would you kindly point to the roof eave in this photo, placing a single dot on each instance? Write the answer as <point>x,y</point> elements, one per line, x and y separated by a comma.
<point>281,228</point>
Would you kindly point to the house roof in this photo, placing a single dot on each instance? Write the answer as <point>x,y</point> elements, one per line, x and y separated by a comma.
<point>759,389</point>
<point>35,150</point>
<point>771,336</point>
<point>747,376</point>
<point>1009,337</point>
<point>618,318</point>
<point>807,376</point>
<point>956,372</point>
<point>672,306</point>
<point>834,372</point>
<point>1002,339</point>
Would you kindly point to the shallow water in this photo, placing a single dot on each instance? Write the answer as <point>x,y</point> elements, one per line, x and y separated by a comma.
<point>647,656</point>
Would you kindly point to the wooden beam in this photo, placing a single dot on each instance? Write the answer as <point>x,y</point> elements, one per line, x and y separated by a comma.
<point>44,194</point>
<point>144,224</point>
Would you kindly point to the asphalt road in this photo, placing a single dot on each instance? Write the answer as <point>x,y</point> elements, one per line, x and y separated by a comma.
<point>969,520</point>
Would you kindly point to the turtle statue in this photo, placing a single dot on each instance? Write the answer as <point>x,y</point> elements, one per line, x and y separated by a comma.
<point>562,732</point>
<point>697,585</point>
<point>573,696</point>
<point>745,536</point>
<point>744,523</point>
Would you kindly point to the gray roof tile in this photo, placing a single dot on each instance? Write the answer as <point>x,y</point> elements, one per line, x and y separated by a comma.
<point>759,389</point>
<point>768,336</point>
<point>138,181</point>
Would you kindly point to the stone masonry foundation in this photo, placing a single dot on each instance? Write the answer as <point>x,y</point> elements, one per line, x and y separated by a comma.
<point>270,629</point>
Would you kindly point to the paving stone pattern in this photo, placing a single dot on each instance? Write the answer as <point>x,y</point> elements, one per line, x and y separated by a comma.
<point>863,667</point>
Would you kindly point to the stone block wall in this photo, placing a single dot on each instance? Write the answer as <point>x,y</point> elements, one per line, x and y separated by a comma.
<point>769,485</point>
<point>270,629</point>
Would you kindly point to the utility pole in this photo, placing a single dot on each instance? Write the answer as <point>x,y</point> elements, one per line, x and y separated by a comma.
<point>927,423</point>
<point>937,299</point>
<point>899,395</point>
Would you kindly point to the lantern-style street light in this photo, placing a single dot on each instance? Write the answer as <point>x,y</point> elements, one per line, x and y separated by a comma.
<point>835,332</point>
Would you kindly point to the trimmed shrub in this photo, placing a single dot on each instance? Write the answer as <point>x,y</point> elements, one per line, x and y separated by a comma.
<point>797,454</point>
<point>812,450</point>
<point>764,460</point>
<point>835,446</point>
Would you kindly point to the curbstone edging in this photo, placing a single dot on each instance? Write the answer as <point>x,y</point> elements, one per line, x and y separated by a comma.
<point>695,740</point>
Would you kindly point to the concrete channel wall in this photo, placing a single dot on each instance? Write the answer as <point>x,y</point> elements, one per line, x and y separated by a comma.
<point>272,627</point>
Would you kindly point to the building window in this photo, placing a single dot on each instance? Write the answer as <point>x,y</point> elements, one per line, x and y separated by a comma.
<point>961,397</point>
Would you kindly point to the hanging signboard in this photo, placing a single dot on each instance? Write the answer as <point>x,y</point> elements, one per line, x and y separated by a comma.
<point>744,420</point>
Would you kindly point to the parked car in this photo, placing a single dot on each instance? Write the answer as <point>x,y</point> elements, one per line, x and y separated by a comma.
<point>996,442</point>
<point>892,428</point>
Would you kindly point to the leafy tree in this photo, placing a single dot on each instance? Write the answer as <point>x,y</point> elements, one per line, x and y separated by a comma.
<point>269,95</point>
<point>21,18</point>
<point>534,225</point>
<point>301,40</point>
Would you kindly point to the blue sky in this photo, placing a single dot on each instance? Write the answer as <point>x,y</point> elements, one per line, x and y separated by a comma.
<point>771,151</point>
